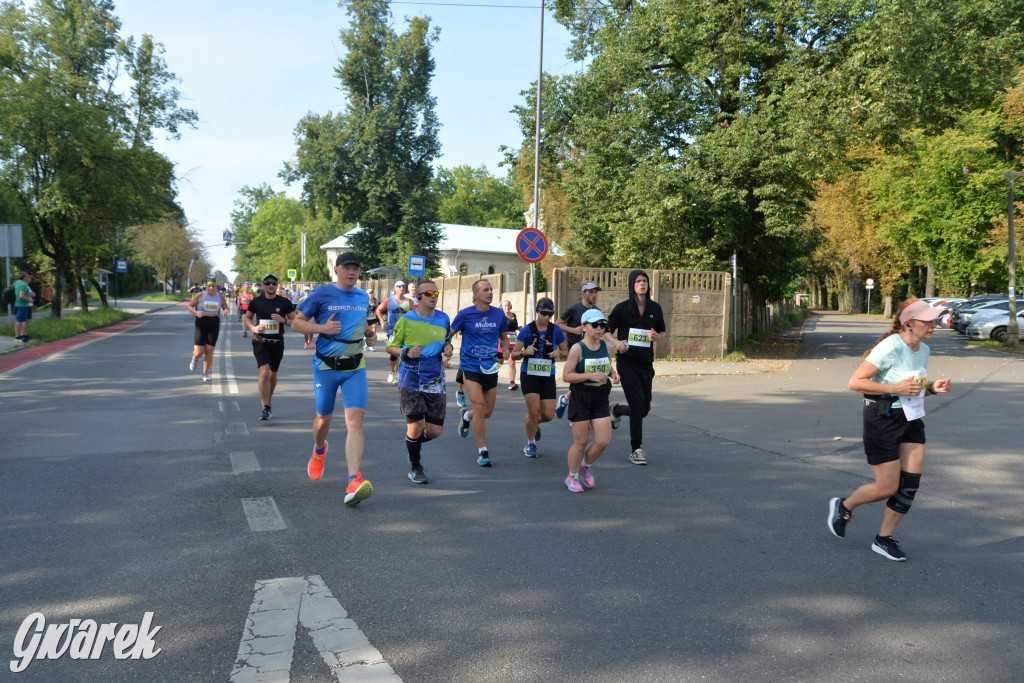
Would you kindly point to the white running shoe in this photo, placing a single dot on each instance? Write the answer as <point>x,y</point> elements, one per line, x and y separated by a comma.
<point>206,378</point>
<point>192,365</point>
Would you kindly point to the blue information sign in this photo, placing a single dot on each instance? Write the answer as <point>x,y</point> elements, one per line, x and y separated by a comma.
<point>417,266</point>
<point>121,265</point>
<point>531,245</point>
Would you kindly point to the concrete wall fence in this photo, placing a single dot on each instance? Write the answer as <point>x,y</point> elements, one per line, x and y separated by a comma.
<point>697,304</point>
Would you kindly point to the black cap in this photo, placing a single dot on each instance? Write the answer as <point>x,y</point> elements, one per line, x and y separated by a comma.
<point>269,276</point>
<point>346,258</point>
<point>545,304</point>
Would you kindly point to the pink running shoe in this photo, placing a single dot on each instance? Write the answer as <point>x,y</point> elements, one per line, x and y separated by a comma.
<point>586,476</point>
<point>573,483</point>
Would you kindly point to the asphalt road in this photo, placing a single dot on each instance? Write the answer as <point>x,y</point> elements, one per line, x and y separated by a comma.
<point>121,490</point>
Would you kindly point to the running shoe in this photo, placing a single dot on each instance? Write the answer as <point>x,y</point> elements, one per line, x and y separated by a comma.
<point>530,449</point>
<point>305,345</point>
<point>358,489</point>
<point>191,364</point>
<point>638,457</point>
<point>838,516</point>
<point>206,378</point>
<point>573,483</point>
<point>563,401</point>
<point>512,386</point>
<point>245,333</point>
<point>586,476</point>
<point>483,459</point>
<point>616,419</point>
<point>464,425</point>
<point>889,547</point>
<point>370,348</point>
<point>315,468</point>
<point>265,415</point>
<point>416,476</point>
<point>460,398</point>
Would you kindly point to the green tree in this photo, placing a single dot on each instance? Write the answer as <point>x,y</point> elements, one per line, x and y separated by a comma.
<point>696,130</point>
<point>472,196</point>
<point>74,149</point>
<point>169,247</point>
<point>371,164</point>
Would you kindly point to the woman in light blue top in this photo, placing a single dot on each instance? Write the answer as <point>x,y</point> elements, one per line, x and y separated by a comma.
<point>894,381</point>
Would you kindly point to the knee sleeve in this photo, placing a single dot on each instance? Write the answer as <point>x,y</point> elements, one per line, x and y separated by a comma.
<point>904,496</point>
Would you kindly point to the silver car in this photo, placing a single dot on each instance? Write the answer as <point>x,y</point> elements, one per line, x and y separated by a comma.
<point>994,328</point>
<point>986,309</point>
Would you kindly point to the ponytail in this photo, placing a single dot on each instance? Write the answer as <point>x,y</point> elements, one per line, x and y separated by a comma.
<point>897,326</point>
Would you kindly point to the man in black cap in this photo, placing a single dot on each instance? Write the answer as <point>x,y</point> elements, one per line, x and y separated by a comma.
<point>266,317</point>
<point>337,314</point>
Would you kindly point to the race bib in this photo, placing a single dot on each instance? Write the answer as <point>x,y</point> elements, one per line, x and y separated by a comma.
<point>603,365</point>
<point>270,326</point>
<point>913,406</point>
<point>638,337</point>
<point>210,307</point>
<point>540,367</point>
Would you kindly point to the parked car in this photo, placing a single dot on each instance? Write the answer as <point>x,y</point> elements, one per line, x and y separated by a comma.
<point>994,328</point>
<point>984,309</point>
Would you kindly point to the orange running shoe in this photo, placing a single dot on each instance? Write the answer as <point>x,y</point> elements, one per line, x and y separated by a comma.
<point>358,489</point>
<point>316,463</point>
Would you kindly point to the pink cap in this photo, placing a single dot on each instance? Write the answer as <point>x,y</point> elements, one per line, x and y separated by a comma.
<point>920,310</point>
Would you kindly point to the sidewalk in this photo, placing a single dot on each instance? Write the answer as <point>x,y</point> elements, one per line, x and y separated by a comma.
<point>134,305</point>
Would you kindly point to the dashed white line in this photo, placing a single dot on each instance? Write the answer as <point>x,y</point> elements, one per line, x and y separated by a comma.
<point>262,514</point>
<point>244,462</point>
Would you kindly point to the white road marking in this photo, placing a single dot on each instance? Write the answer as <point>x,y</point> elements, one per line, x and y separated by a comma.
<point>229,368</point>
<point>244,462</point>
<point>237,428</point>
<point>262,514</point>
<point>268,641</point>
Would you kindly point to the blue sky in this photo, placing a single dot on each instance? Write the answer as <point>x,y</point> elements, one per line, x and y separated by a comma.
<point>251,69</point>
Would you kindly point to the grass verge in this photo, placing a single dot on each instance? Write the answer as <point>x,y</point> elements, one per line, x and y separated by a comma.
<point>47,328</point>
<point>167,297</point>
<point>996,346</point>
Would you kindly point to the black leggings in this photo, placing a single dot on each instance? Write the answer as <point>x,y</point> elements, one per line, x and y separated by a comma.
<point>636,380</point>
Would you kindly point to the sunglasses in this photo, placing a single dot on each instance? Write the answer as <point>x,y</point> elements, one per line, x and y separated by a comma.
<point>545,312</point>
<point>400,287</point>
<point>270,284</point>
<point>429,292</point>
<point>599,325</point>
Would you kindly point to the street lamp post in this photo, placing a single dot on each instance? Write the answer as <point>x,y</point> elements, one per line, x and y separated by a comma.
<point>1011,326</point>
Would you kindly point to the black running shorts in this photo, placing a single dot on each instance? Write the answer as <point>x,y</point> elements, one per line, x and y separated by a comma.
<point>589,403</point>
<point>883,435</point>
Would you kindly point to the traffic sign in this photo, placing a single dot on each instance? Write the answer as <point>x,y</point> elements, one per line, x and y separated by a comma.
<point>292,273</point>
<point>869,282</point>
<point>417,266</point>
<point>120,265</point>
<point>531,245</point>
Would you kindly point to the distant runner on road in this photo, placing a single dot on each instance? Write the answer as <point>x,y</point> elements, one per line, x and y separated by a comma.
<point>207,306</point>
<point>267,317</point>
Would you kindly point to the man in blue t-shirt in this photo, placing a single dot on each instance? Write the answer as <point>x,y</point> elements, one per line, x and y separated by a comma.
<point>483,327</point>
<point>337,314</point>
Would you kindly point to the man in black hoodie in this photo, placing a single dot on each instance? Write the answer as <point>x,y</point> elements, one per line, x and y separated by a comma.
<point>633,326</point>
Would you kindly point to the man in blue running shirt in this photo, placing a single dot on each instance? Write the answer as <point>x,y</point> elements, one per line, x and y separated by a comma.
<point>337,314</point>
<point>482,327</point>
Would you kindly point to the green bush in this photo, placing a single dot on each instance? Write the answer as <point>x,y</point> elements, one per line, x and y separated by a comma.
<point>44,327</point>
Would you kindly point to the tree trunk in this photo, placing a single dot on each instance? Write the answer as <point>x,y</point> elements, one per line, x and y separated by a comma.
<point>99,290</point>
<point>80,286</point>
<point>888,306</point>
<point>929,283</point>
